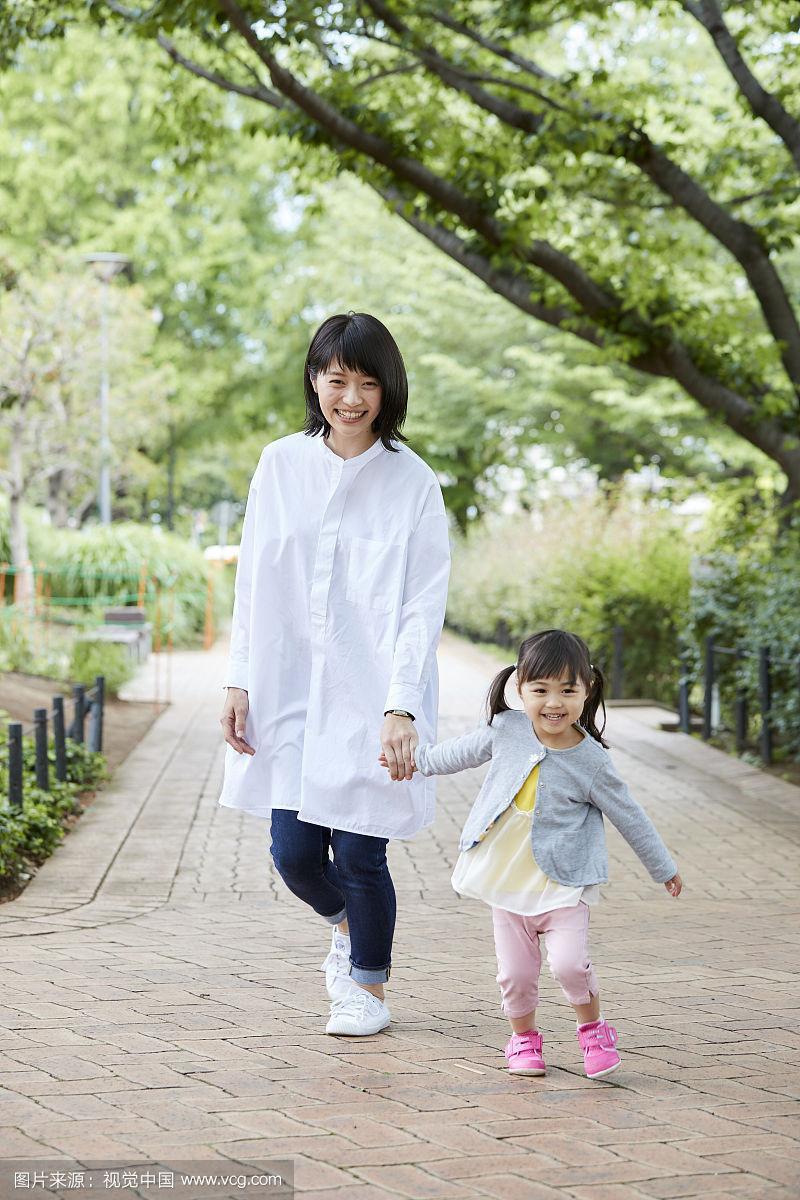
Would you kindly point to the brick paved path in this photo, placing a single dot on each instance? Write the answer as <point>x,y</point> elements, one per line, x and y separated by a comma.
<point>160,996</point>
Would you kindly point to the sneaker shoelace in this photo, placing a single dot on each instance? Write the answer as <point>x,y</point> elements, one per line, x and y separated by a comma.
<point>355,1004</point>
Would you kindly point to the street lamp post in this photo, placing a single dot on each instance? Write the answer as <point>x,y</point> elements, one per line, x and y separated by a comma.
<point>106,266</point>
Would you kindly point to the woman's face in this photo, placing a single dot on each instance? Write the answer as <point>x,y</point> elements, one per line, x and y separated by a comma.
<point>350,401</point>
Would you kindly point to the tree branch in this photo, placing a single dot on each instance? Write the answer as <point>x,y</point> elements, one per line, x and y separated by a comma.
<point>456,78</point>
<point>256,92</point>
<point>594,299</point>
<point>738,237</point>
<point>524,64</point>
<point>673,362</point>
<point>764,104</point>
<point>512,286</point>
<point>405,70</point>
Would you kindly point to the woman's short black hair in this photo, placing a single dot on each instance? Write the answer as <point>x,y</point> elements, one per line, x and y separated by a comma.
<point>359,342</point>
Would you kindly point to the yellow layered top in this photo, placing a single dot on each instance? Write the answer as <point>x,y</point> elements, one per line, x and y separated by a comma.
<point>502,871</point>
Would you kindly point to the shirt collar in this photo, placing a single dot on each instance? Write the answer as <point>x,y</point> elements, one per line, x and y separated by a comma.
<point>352,463</point>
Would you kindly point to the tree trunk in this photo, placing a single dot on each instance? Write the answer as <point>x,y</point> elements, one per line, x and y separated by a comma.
<point>172,451</point>
<point>790,496</point>
<point>18,535</point>
<point>57,498</point>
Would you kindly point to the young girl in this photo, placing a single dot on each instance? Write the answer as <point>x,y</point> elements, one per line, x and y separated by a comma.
<point>533,846</point>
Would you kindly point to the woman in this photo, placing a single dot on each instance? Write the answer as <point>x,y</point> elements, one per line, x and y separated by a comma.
<point>340,597</point>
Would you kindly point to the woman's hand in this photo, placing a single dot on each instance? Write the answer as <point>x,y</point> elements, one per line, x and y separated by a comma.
<point>674,885</point>
<point>399,739</point>
<point>234,716</point>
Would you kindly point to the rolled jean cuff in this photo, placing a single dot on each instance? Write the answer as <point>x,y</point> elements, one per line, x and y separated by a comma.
<point>337,918</point>
<point>365,975</point>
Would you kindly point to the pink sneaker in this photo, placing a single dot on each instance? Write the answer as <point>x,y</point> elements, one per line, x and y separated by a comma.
<point>597,1041</point>
<point>524,1053</point>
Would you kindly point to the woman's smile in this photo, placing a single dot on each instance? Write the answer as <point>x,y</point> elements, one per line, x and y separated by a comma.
<point>349,416</point>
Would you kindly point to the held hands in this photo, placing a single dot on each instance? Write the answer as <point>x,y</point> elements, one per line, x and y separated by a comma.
<point>234,716</point>
<point>398,741</point>
<point>674,886</point>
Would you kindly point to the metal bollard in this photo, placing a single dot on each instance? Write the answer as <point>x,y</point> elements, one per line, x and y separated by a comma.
<point>617,664</point>
<point>765,704</point>
<point>740,711</point>
<point>15,764</point>
<point>96,714</point>
<point>684,711</point>
<point>40,744</point>
<point>76,729</point>
<point>59,738</point>
<point>708,690</point>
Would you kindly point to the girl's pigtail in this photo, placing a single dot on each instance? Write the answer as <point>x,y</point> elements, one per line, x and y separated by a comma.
<point>593,702</point>
<point>496,700</point>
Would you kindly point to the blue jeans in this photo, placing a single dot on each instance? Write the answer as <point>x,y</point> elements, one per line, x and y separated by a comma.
<point>354,884</point>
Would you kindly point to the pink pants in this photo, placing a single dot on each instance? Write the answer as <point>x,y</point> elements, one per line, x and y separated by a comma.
<point>519,959</point>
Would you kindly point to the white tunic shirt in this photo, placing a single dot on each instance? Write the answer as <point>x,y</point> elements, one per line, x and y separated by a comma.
<point>340,597</point>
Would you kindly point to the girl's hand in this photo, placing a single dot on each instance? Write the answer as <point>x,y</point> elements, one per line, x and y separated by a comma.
<point>399,740</point>
<point>383,760</point>
<point>234,716</point>
<point>674,885</point>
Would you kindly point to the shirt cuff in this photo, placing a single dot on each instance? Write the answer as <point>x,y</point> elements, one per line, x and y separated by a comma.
<point>237,675</point>
<point>401,696</point>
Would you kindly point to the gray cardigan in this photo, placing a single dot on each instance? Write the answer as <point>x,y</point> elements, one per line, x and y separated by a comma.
<point>576,788</point>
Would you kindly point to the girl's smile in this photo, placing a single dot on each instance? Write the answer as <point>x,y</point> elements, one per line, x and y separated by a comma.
<point>553,706</point>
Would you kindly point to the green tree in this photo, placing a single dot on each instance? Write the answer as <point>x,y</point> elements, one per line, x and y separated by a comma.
<point>495,399</point>
<point>624,172</point>
<point>92,157</point>
<point>49,365</point>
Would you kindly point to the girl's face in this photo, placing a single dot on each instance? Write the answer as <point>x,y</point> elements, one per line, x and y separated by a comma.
<point>350,401</point>
<point>553,706</point>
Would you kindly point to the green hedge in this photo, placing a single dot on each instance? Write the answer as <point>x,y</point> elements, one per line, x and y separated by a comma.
<point>29,835</point>
<point>92,658</point>
<point>745,593</point>
<point>585,566</point>
<point>102,563</point>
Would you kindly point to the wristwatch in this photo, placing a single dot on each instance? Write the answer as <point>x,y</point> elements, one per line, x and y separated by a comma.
<point>398,712</point>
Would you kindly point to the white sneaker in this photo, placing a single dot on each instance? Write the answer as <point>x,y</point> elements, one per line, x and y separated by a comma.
<point>337,966</point>
<point>357,1014</point>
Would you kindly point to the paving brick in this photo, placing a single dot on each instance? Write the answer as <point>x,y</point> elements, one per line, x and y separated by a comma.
<point>413,1182</point>
<point>270,1124</point>
<point>767,1166</point>
<point>180,1011</point>
<point>612,1191</point>
<point>741,1184</point>
<point>513,1187</point>
<point>527,1164</point>
<point>312,1176</point>
<point>17,1144</point>
<point>573,1151</point>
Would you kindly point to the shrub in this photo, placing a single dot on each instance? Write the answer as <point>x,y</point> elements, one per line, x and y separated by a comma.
<point>588,567</point>
<point>744,594</point>
<point>103,563</point>
<point>91,658</point>
<point>16,652</point>
<point>30,834</point>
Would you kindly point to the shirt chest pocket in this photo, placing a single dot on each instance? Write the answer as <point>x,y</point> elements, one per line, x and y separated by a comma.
<point>374,573</point>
